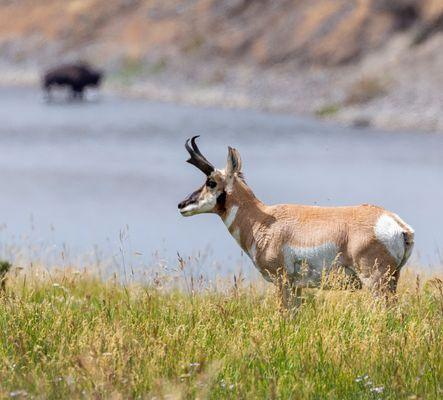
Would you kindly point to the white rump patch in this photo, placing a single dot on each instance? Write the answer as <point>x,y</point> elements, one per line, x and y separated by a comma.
<point>406,226</point>
<point>390,233</point>
<point>308,263</point>
<point>231,216</point>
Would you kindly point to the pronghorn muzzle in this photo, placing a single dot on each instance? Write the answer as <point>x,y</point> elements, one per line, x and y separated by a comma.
<point>197,158</point>
<point>191,199</point>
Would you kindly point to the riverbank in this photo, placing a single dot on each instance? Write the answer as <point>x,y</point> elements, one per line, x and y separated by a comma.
<point>368,63</point>
<point>391,89</point>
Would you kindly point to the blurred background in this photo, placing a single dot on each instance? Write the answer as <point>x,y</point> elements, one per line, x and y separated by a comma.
<point>330,102</point>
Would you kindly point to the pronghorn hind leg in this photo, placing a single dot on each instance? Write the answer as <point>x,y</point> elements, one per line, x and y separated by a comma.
<point>352,281</point>
<point>290,295</point>
<point>381,280</point>
<point>388,285</point>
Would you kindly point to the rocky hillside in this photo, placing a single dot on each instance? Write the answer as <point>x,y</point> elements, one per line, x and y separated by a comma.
<point>261,32</point>
<point>340,54</point>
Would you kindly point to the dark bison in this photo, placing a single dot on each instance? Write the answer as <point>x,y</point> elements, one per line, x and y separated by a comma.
<point>75,76</point>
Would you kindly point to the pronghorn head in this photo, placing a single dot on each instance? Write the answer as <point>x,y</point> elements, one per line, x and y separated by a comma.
<point>211,197</point>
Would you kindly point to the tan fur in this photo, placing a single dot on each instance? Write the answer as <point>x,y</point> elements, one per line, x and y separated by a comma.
<point>263,232</point>
<point>350,228</point>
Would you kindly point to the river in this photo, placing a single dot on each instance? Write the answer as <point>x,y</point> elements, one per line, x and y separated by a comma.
<point>108,173</point>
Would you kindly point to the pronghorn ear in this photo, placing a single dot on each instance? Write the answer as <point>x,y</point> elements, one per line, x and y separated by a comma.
<point>233,165</point>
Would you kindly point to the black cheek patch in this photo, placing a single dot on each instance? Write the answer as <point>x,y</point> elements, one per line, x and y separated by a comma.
<point>221,200</point>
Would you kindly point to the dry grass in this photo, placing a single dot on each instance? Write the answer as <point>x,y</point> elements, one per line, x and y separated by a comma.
<point>70,335</point>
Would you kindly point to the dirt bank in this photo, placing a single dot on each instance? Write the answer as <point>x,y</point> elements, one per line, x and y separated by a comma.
<point>360,62</point>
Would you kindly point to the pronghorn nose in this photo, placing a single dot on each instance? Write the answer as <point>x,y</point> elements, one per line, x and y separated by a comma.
<point>192,198</point>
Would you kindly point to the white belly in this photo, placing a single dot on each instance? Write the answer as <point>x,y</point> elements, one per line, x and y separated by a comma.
<point>306,264</point>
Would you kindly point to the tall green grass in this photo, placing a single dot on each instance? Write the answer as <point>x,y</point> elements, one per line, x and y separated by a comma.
<point>70,335</point>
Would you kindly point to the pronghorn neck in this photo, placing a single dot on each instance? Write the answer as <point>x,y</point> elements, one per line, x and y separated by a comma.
<point>241,212</point>
<point>239,199</point>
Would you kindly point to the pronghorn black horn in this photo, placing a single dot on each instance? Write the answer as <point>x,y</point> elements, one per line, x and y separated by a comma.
<point>197,158</point>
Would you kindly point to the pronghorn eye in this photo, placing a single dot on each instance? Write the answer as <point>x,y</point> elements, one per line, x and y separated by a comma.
<point>211,184</point>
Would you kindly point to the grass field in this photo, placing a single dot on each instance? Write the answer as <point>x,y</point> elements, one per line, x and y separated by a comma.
<point>69,335</point>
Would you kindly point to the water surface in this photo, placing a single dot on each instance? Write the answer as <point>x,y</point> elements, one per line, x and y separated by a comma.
<point>79,174</point>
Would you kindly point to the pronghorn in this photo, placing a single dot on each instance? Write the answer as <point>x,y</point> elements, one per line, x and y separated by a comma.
<point>302,242</point>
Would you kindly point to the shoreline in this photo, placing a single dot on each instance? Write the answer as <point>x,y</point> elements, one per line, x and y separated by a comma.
<point>350,96</point>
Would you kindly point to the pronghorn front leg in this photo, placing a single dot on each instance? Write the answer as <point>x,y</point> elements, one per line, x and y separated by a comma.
<point>289,294</point>
<point>296,299</point>
<point>291,298</point>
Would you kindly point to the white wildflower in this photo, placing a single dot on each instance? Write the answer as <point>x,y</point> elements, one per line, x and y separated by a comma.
<point>378,389</point>
<point>18,393</point>
<point>361,378</point>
